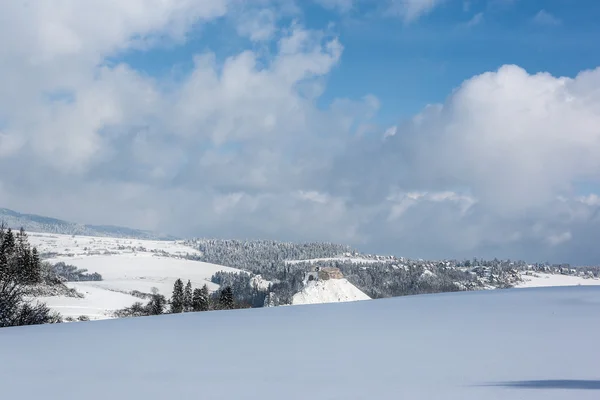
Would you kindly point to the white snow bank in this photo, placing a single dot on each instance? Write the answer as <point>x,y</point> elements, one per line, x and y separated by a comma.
<point>546,280</point>
<point>328,291</point>
<point>530,344</point>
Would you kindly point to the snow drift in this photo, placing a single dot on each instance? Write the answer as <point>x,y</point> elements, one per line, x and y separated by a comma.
<point>527,344</point>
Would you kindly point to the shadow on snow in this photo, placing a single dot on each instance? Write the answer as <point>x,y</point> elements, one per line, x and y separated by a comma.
<point>551,384</point>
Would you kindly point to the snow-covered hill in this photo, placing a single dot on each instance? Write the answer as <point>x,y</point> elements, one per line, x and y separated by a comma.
<point>527,344</point>
<point>126,265</point>
<point>328,291</point>
<point>38,223</point>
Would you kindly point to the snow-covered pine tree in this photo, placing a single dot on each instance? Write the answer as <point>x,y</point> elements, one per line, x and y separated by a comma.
<point>204,298</point>
<point>35,266</point>
<point>187,297</point>
<point>200,299</point>
<point>226,301</point>
<point>196,299</point>
<point>177,297</point>
<point>156,305</point>
<point>15,269</point>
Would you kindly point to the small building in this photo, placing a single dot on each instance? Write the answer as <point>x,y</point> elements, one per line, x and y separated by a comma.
<point>326,273</point>
<point>322,273</point>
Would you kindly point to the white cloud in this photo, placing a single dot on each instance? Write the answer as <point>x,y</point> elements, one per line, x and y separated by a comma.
<point>238,147</point>
<point>543,17</point>
<point>258,25</point>
<point>391,131</point>
<point>10,143</point>
<point>510,145</point>
<point>411,10</point>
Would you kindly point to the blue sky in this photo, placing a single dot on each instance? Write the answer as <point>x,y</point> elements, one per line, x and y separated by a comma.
<point>420,128</point>
<point>409,65</point>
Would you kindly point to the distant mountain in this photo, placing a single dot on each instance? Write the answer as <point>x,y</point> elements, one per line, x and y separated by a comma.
<point>37,223</point>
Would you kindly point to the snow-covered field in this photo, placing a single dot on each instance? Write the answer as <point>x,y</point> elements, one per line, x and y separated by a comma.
<point>328,291</point>
<point>125,265</point>
<point>95,245</point>
<point>526,344</point>
<point>546,280</point>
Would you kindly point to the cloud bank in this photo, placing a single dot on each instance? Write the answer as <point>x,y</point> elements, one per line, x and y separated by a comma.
<point>239,146</point>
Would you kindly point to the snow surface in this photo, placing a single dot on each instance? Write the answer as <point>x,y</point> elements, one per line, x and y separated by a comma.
<point>125,265</point>
<point>526,344</point>
<point>93,245</point>
<point>328,291</point>
<point>98,303</point>
<point>546,280</point>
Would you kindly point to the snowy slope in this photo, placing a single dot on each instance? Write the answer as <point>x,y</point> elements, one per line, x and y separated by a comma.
<point>98,302</point>
<point>547,280</point>
<point>531,344</point>
<point>125,265</point>
<point>328,291</point>
<point>38,223</point>
<point>99,245</point>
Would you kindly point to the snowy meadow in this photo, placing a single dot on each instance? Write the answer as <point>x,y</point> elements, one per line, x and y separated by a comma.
<point>530,344</point>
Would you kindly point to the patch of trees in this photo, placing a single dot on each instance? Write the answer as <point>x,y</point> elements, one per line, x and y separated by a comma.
<point>241,284</point>
<point>81,318</point>
<point>20,268</point>
<point>155,306</point>
<point>377,276</point>
<point>184,299</point>
<point>251,254</point>
<point>71,273</point>
<point>187,299</point>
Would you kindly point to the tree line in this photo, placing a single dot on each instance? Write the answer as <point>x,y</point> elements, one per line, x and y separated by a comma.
<point>184,299</point>
<point>20,268</point>
<point>377,276</point>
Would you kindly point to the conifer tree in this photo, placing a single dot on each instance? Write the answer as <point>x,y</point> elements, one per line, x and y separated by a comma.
<point>19,266</point>
<point>177,298</point>
<point>196,295</point>
<point>187,297</point>
<point>26,270</point>
<point>156,305</point>
<point>226,301</point>
<point>200,301</point>
<point>7,245</point>
<point>35,269</point>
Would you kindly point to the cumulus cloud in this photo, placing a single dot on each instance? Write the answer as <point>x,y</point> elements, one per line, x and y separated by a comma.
<point>258,25</point>
<point>237,146</point>
<point>511,145</point>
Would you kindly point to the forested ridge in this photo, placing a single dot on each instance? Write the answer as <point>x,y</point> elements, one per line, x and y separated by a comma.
<point>284,264</point>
